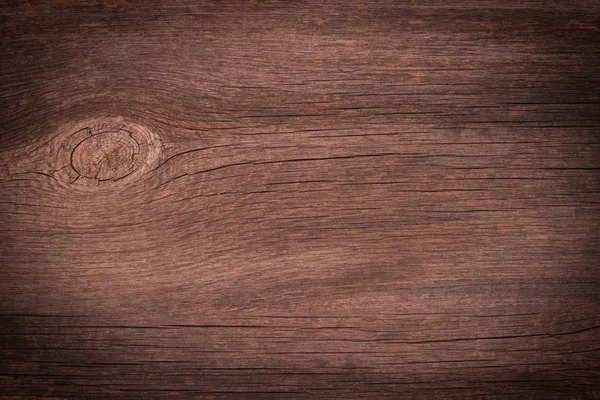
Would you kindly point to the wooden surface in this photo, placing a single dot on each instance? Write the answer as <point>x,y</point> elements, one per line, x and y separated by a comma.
<point>300,199</point>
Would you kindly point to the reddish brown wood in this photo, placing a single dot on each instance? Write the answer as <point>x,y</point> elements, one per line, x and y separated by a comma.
<point>276,199</point>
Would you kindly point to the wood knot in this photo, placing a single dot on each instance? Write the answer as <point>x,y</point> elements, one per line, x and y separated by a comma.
<point>106,153</point>
<point>106,156</point>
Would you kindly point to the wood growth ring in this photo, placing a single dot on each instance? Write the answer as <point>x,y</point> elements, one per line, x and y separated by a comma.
<point>106,153</point>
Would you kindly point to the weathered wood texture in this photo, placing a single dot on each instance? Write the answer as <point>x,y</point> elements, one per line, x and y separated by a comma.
<point>300,199</point>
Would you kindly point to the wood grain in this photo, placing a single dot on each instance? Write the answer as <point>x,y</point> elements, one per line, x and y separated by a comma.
<point>300,199</point>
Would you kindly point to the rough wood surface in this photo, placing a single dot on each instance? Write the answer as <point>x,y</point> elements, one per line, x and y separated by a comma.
<point>300,199</point>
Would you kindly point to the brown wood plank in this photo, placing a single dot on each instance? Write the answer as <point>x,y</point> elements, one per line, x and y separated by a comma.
<point>277,199</point>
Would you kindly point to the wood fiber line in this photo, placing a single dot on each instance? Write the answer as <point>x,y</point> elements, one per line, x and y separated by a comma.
<point>293,200</point>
